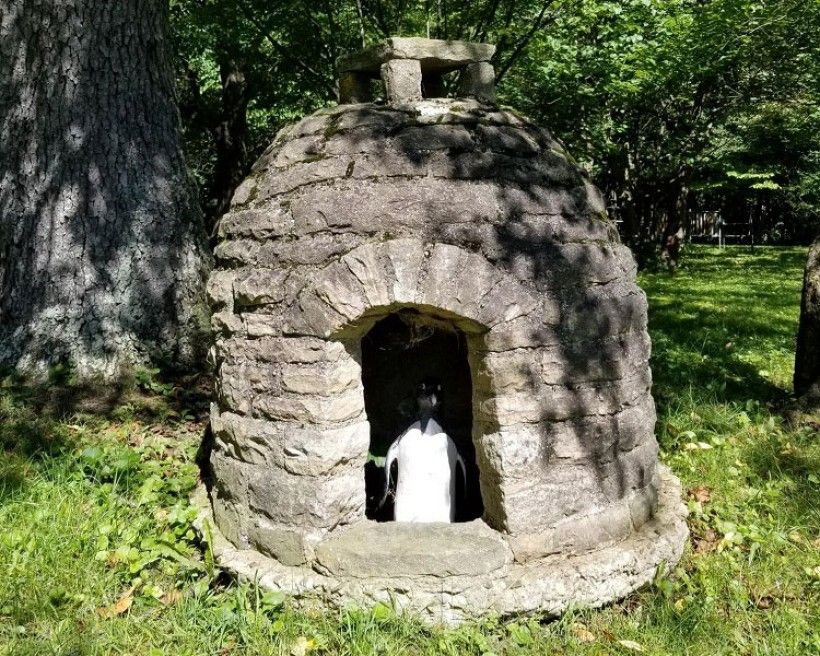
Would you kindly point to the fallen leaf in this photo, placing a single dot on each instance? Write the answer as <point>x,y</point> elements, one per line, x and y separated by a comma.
<point>118,607</point>
<point>701,493</point>
<point>171,597</point>
<point>705,542</point>
<point>582,633</point>
<point>631,645</point>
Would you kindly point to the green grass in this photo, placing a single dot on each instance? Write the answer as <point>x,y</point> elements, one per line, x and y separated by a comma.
<point>94,510</point>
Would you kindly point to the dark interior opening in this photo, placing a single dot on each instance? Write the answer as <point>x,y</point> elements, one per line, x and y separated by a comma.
<point>438,83</point>
<point>399,352</point>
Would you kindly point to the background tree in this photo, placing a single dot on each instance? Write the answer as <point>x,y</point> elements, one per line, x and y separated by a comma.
<point>101,259</point>
<point>684,105</point>
<point>246,67</point>
<point>807,358</point>
<point>675,106</point>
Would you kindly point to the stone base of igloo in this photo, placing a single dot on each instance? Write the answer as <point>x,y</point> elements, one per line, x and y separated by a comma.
<point>448,573</point>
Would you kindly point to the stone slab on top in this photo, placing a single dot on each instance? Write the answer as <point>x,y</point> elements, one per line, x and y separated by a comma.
<point>433,54</point>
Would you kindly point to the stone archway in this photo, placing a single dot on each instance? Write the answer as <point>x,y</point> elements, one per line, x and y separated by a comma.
<point>486,304</point>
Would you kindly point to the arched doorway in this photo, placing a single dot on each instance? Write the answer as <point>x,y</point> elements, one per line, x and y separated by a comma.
<point>398,352</point>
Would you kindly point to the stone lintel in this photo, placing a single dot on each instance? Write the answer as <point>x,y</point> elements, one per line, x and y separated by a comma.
<point>434,54</point>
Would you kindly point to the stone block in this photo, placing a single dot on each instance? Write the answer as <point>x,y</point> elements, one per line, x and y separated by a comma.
<point>341,290</point>
<point>643,504</point>
<point>289,545</point>
<point>233,521</point>
<point>433,137</point>
<point>631,470</point>
<point>403,259</point>
<point>263,324</point>
<point>312,316</point>
<point>308,451</point>
<point>503,138</point>
<point>233,253</point>
<point>225,322</point>
<point>270,222</point>
<point>319,410</point>
<point>393,204</point>
<point>523,332</point>
<point>437,550</point>
<point>436,53</point>
<point>245,193</point>
<point>321,379</point>
<point>402,80</point>
<point>260,286</point>
<point>281,350</point>
<point>478,81</point>
<point>220,290</point>
<point>542,402</point>
<point>366,265</point>
<point>575,535</point>
<point>560,491</point>
<point>314,249</point>
<point>230,478</point>
<point>308,501</point>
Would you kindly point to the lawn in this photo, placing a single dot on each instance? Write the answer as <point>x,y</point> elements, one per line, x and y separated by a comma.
<point>98,556</point>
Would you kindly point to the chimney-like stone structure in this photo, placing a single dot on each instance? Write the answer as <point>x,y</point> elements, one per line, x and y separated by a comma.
<point>373,244</point>
<point>413,68</point>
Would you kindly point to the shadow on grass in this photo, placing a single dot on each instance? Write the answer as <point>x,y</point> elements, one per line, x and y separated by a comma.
<point>39,420</point>
<point>722,307</point>
<point>797,465</point>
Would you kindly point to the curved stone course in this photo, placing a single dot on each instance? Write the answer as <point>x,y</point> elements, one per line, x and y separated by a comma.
<point>477,219</point>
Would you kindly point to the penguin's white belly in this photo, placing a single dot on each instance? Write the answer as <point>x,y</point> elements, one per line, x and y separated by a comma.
<point>425,490</point>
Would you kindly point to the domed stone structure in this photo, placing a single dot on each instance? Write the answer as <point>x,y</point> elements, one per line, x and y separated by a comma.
<point>374,243</point>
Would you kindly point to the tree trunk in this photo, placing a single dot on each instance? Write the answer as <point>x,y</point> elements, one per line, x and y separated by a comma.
<point>230,136</point>
<point>807,358</point>
<point>673,230</point>
<point>102,250</point>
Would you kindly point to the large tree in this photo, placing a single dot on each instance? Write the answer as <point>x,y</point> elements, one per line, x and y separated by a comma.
<point>101,240</point>
<point>807,361</point>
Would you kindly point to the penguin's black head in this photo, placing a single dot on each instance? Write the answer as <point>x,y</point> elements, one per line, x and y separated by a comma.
<point>429,396</point>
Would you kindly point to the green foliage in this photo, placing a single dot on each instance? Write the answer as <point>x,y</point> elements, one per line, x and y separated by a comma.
<point>662,100</point>
<point>99,555</point>
<point>659,97</point>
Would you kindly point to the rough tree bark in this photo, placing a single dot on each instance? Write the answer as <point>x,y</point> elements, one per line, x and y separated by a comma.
<point>230,135</point>
<point>807,357</point>
<point>102,249</point>
<point>674,220</point>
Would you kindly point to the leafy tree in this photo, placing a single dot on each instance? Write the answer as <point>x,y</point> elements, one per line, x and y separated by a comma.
<point>101,259</point>
<point>666,99</point>
<point>246,67</point>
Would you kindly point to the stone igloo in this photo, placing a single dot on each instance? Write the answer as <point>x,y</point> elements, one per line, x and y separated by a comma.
<point>382,240</point>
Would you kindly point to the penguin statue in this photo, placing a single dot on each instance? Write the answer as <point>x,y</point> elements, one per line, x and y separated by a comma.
<point>427,458</point>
